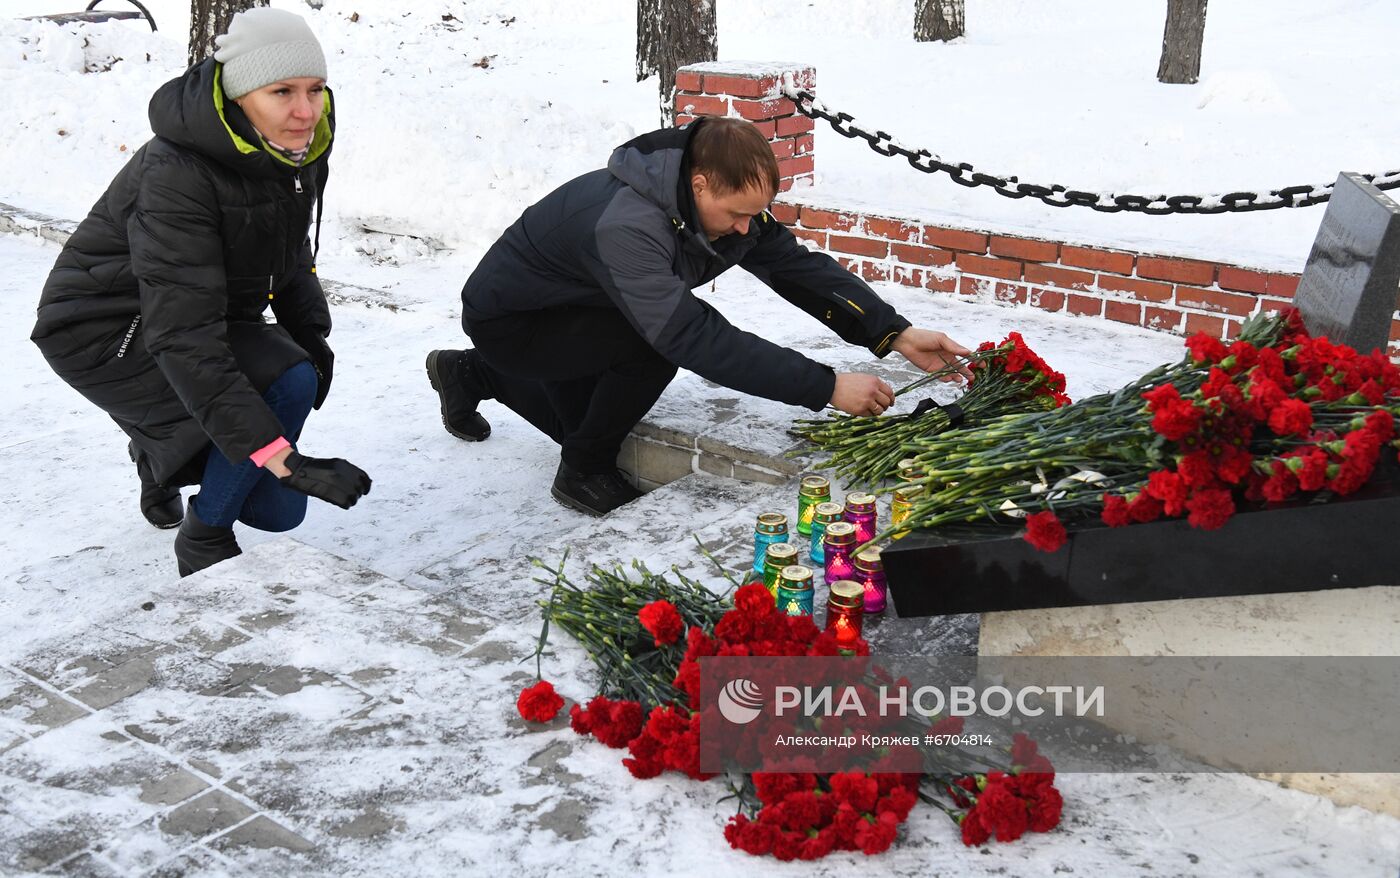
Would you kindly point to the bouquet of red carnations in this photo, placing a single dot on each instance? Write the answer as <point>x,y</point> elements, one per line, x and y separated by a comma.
<point>647,638</point>
<point>1007,377</point>
<point>1270,415</point>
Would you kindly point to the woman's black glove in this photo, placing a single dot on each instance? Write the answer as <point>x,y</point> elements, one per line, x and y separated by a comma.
<point>322,357</point>
<point>326,478</point>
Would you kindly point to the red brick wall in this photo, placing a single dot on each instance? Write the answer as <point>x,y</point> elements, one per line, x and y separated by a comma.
<point>753,92</point>
<point>1165,293</point>
<point>1142,289</point>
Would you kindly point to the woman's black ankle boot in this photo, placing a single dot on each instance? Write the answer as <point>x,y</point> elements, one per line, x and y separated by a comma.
<point>198,545</point>
<point>160,505</point>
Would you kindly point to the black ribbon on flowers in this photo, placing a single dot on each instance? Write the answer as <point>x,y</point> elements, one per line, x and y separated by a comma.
<point>955,412</point>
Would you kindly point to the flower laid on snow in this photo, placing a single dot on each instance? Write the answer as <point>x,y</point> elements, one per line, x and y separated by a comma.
<point>539,703</point>
<point>1271,415</point>
<point>1008,377</point>
<point>662,621</point>
<point>651,706</point>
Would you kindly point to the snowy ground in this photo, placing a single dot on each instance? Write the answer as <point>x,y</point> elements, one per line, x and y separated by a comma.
<point>363,707</point>
<point>291,710</point>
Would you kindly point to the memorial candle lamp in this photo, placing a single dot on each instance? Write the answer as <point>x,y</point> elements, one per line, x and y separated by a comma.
<point>772,528</point>
<point>795,590</point>
<point>909,470</point>
<point>901,506</point>
<point>839,540</point>
<point>812,491</point>
<point>845,609</point>
<point>823,514</point>
<point>779,556</point>
<point>860,511</point>
<point>870,573</point>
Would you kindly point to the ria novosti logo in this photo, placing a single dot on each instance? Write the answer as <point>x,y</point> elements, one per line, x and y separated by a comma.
<point>740,701</point>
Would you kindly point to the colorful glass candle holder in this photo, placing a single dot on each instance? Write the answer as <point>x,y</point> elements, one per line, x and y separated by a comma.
<point>909,470</point>
<point>795,590</point>
<point>779,555</point>
<point>823,514</point>
<point>772,528</point>
<point>902,505</point>
<point>860,511</point>
<point>839,541</point>
<point>870,573</point>
<point>845,609</point>
<point>813,490</point>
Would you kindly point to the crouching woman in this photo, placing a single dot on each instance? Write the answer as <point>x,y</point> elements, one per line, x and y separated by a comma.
<point>154,311</point>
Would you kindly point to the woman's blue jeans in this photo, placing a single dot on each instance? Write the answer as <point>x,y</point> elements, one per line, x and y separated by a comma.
<point>243,491</point>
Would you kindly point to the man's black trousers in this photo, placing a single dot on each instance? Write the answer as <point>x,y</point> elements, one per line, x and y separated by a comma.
<point>581,375</point>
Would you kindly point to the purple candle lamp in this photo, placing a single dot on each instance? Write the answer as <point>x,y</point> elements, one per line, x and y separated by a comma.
<point>838,541</point>
<point>860,511</point>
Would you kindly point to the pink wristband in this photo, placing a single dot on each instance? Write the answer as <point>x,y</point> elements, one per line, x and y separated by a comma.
<point>264,454</point>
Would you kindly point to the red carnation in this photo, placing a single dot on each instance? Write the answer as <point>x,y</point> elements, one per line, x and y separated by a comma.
<point>1196,470</point>
<point>1281,484</point>
<point>949,725</point>
<point>1210,508</point>
<point>974,831</point>
<point>1177,420</point>
<point>753,600</point>
<point>875,836</point>
<point>1290,417</point>
<point>1115,511</point>
<point>662,622</point>
<point>1002,810</point>
<point>1168,487</point>
<point>1205,349</point>
<point>1045,532</point>
<point>1144,508</point>
<point>613,723</point>
<point>1023,749</point>
<point>1046,806</point>
<point>539,703</point>
<point>1310,465</point>
<point>1382,424</point>
<point>1160,397</point>
<point>856,788</point>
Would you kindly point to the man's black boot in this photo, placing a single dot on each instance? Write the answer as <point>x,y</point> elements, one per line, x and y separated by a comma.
<point>592,493</point>
<point>160,505</point>
<point>452,376</point>
<point>199,545</point>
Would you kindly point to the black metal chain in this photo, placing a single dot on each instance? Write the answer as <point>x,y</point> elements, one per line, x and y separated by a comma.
<point>965,174</point>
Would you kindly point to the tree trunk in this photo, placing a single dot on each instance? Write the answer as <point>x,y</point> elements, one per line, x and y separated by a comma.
<point>208,19</point>
<point>940,20</point>
<point>670,35</point>
<point>1181,41</point>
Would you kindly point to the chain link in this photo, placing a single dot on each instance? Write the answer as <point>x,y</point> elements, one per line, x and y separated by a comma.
<point>1055,195</point>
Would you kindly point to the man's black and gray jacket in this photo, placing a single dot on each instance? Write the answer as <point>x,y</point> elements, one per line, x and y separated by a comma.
<point>628,237</point>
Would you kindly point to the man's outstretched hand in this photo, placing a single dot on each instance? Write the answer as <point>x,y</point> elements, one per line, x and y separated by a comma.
<point>930,350</point>
<point>860,394</point>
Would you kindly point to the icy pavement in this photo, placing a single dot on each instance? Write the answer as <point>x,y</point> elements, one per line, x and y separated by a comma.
<point>341,701</point>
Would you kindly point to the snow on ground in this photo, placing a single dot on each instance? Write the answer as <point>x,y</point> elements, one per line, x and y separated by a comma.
<point>434,152</point>
<point>355,704</point>
<point>1056,91</point>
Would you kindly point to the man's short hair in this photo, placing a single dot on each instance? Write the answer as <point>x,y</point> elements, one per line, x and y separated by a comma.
<point>733,155</point>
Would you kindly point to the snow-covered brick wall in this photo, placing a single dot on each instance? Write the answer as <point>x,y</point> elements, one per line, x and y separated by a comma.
<point>1139,288</point>
<point>753,91</point>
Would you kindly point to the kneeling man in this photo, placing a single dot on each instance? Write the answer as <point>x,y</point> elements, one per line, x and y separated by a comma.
<point>581,313</point>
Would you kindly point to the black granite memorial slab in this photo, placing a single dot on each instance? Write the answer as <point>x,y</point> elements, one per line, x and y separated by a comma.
<point>1302,545</point>
<point>1352,278</point>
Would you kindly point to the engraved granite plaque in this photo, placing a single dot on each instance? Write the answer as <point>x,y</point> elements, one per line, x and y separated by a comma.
<point>1352,279</point>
